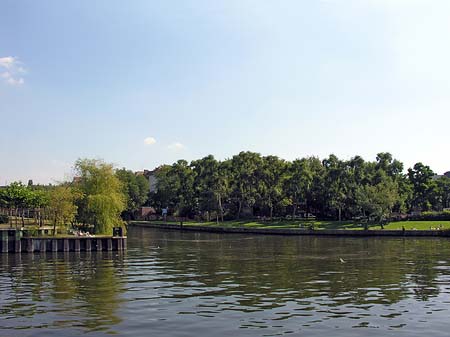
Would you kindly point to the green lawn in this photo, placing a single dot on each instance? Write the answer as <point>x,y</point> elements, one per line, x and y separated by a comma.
<point>419,225</point>
<point>423,225</point>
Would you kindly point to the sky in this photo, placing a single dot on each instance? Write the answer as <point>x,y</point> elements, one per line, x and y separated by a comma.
<point>143,83</point>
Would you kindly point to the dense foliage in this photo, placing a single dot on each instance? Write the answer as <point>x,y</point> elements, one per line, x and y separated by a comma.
<point>135,189</point>
<point>16,198</point>
<point>101,199</point>
<point>243,186</point>
<point>249,184</point>
<point>95,198</point>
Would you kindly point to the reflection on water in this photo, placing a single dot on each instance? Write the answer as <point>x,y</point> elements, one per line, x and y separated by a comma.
<point>173,283</point>
<point>59,291</point>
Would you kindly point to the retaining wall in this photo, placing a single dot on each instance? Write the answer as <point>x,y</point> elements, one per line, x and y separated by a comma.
<point>12,242</point>
<point>293,231</point>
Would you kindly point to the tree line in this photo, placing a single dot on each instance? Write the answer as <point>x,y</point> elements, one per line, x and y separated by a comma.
<point>249,184</point>
<point>96,200</point>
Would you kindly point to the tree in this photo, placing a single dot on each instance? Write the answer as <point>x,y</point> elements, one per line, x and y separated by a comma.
<point>421,178</point>
<point>377,201</point>
<point>245,179</point>
<point>222,185</point>
<point>272,173</point>
<point>299,182</point>
<point>175,189</point>
<point>386,163</point>
<point>182,178</point>
<point>443,191</point>
<point>135,189</point>
<point>62,205</point>
<point>210,181</point>
<point>16,196</point>
<point>337,184</point>
<point>102,198</point>
<point>38,200</point>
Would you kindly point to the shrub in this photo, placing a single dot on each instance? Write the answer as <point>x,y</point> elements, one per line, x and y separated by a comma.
<point>431,216</point>
<point>3,218</point>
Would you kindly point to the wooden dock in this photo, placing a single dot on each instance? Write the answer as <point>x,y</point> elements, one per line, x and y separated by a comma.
<point>12,241</point>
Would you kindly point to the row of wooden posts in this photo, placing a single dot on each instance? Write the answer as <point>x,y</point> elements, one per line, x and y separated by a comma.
<point>27,216</point>
<point>12,241</point>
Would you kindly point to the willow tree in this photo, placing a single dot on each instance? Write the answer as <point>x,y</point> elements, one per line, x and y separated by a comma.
<point>102,199</point>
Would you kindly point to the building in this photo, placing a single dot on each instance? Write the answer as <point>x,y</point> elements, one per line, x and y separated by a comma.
<point>439,176</point>
<point>152,180</point>
<point>151,176</point>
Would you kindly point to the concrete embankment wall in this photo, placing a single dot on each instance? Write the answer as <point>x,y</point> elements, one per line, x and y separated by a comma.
<point>11,242</point>
<point>282,231</point>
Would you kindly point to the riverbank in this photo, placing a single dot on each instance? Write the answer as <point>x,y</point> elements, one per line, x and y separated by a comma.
<point>318,224</point>
<point>272,230</point>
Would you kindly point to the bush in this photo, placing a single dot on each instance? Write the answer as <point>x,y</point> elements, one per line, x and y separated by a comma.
<point>3,218</point>
<point>431,216</point>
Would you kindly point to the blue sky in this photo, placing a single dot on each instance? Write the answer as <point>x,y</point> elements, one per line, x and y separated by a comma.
<point>141,83</point>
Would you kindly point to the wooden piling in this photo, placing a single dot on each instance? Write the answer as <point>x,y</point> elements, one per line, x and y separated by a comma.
<point>66,245</point>
<point>17,246</point>
<point>54,245</point>
<point>12,242</point>
<point>77,245</point>
<point>109,244</point>
<point>5,243</point>
<point>43,246</point>
<point>88,244</point>
<point>99,245</point>
<point>29,245</point>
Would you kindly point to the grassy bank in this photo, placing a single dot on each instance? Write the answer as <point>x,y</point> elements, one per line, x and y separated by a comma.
<point>319,225</point>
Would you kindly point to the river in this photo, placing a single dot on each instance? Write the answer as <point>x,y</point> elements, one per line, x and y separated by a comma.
<point>171,283</point>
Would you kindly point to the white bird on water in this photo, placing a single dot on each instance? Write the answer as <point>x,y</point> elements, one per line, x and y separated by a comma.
<point>342,260</point>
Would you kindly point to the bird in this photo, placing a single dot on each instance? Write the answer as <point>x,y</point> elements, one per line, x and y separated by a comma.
<point>342,260</point>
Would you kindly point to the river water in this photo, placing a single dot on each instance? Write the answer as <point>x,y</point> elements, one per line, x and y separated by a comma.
<point>171,283</point>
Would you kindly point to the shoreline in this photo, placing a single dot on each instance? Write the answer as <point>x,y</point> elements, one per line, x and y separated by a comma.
<point>298,232</point>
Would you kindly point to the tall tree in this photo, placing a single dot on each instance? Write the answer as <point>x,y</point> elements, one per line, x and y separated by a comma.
<point>210,185</point>
<point>135,189</point>
<point>222,186</point>
<point>175,189</point>
<point>62,205</point>
<point>299,182</point>
<point>102,199</point>
<point>421,178</point>
<point>377,201</point>
<point>443,192</point>
<point>272,173</point>
<point>337,184</point>
<point>16,197</point>
<point>245,179</point>
<point>388,164</point>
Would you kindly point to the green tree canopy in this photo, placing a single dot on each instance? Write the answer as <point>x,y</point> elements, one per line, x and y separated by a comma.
<point>135,188</point>
<point>62,205</point>
<point>102,198</point>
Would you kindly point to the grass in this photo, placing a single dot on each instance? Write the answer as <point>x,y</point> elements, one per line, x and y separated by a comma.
<point>318,225</point>
<point>419,225</point>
